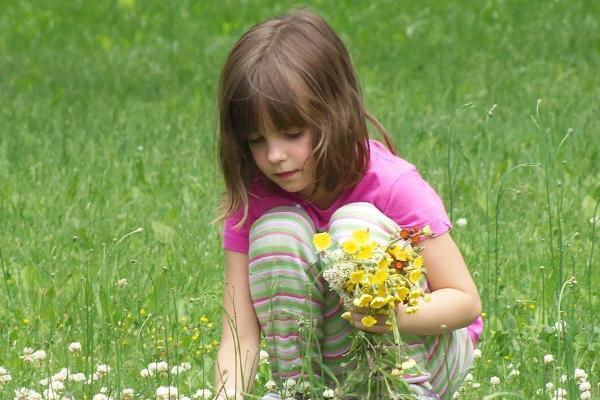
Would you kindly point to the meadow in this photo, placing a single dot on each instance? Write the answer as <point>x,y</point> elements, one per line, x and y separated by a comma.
<point>109,182</point>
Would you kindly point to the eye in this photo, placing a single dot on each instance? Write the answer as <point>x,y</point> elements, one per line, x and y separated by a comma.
<point>294,135</point>
<point>255,140</point>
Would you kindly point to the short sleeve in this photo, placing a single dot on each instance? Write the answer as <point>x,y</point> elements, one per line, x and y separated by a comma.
<point>236,239</point>
<point>412,203</point>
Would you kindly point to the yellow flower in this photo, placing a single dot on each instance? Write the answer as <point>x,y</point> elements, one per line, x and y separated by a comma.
<point>401,293</point>
<point>385,262</point>
<point>414,276</point>
<point>377,302</point>
<point>390,300</point>
<point>366,251</point>
<point>415,294</point>
<point>350,247</point>
<point>411,310</point>
<point>363,300</point>
<point>382,291</point>
<point>368,321</point>
<point>357,276</point>
<point>381,276</point>
<point>361,236</point>
<point>400,253</point>
<point>347,315</point>
<point>426,231</point>
<point>418,262</point>
<point>321,241</point>
<point>396,372</point>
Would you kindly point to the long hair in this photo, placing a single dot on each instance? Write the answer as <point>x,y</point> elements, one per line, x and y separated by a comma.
<point>288,72</point>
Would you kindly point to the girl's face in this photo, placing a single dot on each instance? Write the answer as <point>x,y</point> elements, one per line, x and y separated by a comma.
<point>285,158</point>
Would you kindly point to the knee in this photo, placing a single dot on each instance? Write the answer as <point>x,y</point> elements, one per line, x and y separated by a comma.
<point>286,228</point>
<point>353,216</point>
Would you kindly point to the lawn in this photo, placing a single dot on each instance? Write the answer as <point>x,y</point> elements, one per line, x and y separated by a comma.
<point>109,179</point>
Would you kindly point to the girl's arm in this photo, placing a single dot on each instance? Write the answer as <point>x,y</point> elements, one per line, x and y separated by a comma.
<point>238,355</point>
<point>454,300</point>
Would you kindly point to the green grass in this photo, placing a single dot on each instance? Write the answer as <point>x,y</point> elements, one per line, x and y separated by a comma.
<point>107,124</point>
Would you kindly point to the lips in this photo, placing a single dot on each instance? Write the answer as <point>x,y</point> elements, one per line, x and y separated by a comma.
<point>283,175</point>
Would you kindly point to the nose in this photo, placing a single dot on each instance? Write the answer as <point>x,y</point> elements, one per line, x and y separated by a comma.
<point>276,153</point>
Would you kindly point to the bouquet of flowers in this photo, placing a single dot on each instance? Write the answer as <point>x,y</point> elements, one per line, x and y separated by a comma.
<point>375,278</point>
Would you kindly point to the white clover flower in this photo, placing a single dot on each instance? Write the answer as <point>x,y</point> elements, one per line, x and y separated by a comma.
<point>204,394</point>
<point>44,382</point>
<point>456,395</point>
<point>57,386</point>
<point>60,375</point>
<point>304,386</point>
<point>289,383</point>
<point>476,385</point>
<point>27,394</point>
<point>101,396</point>
<point>166,393</point>
<point>461,222</point>
<point>145,373</point>
<point>31,356</point>
<point>580,374</point>
<point>5,379</point>
<point>563,378</point>
<point>264,357</point>
<point>549,386</point>
<point>585,395</point>
<point>104,389</point>
<point>476,353</point>
<point>3,371</point>
<point>559,394</point>
<point>494,380</point>
<point>548,358</point>
<point>514,373</point>
<point>78,377</point>
<point>469,377</point>
<point>328,394</point>
<point>50,394</point>
<point>127,394</point>
<point>184,398</point>
<point>160,366</point>
<point>102,369</point>
<point>122,282</point>
<point>270,385</point>
<point>74,347</point>
<point>584,386</point>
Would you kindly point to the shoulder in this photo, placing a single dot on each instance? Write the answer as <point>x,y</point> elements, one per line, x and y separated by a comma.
<point>403,194</point>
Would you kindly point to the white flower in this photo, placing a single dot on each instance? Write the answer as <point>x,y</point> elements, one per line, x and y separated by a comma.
<point>264,356</point>
<point>289,383</point>
<point>585,395</point>
<point>328,394</point>
<point>494,380</point>
<point>548,358</point>
<point>50,394</point>
<point>27,394</point>
<point>61,375</point>
<point>563,378</point>
<point>559,394</point>
<point>476,385</point>
<point>203,394</point>
<point>57,386</point>
<point>270,385</point>
<point>584,386</point>
<point>78,377</point>
<point>178,369</point>
<point>469,377</point>
<point>145,373</point>
<point>74,347</point>
<point>580,374</point>
<point>476,353</point>
<point>461,222</point>
<point>127,394</point>
<point>32,356</point>
<point>514,373</point>
<point>5,378</point>
<point>122,282</point>
<point>549,386</point>
<point>166,393</point>
<point>304,386</point>
<point>160,366</point>
<point>101,396</point>
<point>102,369</point>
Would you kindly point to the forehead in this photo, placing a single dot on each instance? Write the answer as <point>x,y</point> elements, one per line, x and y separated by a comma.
<point>268,104</point>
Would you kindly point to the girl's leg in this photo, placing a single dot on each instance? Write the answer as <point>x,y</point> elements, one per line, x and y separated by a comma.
<point>287,294</point>
<point>446,357</point>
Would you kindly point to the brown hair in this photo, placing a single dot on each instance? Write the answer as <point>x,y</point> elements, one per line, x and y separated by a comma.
<point>288,72</point>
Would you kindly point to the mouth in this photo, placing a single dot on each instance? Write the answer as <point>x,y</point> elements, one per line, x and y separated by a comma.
<point>284,175</point>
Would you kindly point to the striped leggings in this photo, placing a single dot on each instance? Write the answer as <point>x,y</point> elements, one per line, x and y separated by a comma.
<point>300,317</point>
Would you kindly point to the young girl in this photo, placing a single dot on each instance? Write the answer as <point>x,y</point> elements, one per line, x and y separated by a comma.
<point>297,159</point>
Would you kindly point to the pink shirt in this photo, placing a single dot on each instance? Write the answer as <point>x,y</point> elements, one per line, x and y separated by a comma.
<point>391,184</point>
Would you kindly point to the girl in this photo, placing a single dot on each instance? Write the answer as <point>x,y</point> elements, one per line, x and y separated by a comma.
<point>297,159</point>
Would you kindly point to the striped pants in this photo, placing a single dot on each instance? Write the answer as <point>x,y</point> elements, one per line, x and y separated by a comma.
<point>300,317</point>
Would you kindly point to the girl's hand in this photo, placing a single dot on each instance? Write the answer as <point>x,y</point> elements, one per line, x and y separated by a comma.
<point>357,314</point>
